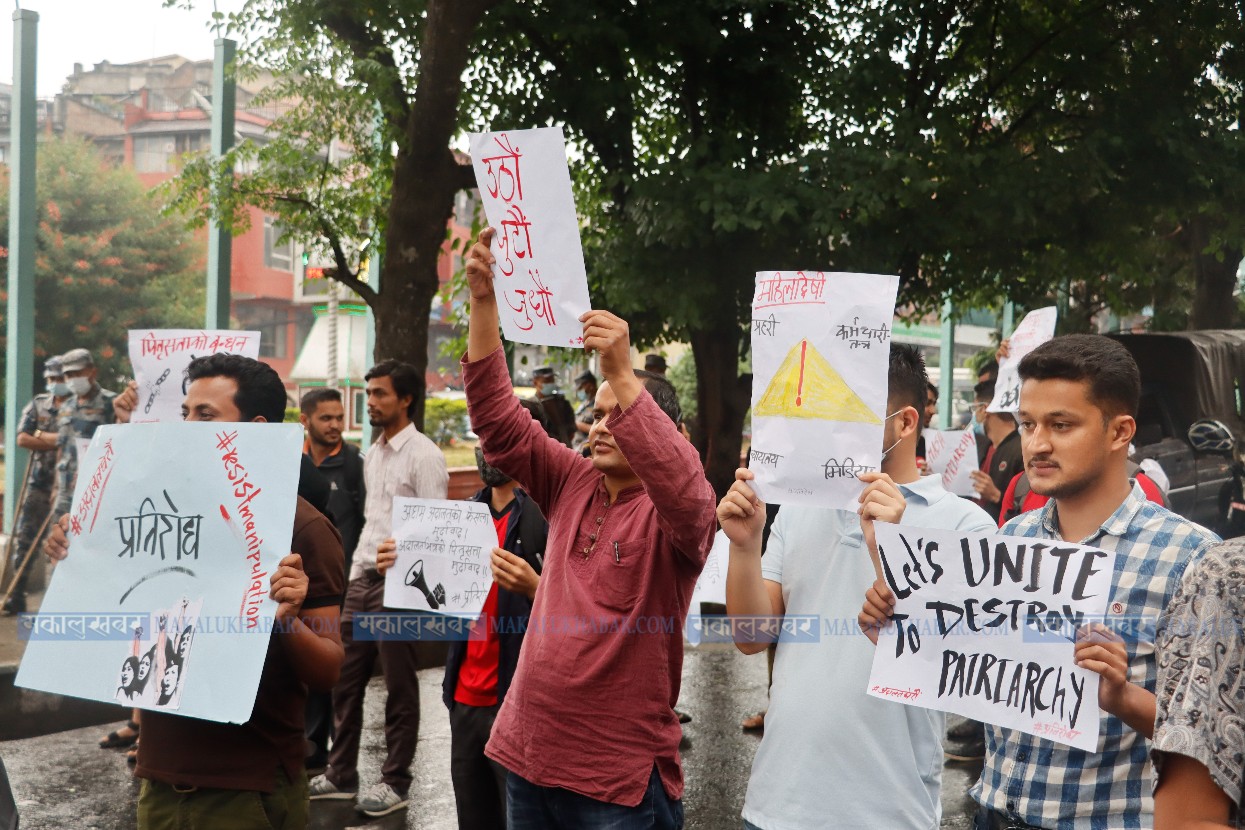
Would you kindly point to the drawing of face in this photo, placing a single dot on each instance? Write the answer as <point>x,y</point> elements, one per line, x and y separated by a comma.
<point>168,683</point>
<point>127,671</point>
<point>144,666</point>
<point>183,642</point>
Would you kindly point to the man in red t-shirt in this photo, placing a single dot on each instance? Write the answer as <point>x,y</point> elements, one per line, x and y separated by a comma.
<point>478,671</point>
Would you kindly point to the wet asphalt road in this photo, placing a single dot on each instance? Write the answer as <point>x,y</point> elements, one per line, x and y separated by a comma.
<point>63,782</point>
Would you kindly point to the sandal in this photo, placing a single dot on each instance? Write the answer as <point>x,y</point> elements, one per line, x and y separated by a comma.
<point>116,740</point>
<point>131,754</point>
<point>754,723</point>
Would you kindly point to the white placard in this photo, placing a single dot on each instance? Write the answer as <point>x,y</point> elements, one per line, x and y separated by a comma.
<point>525,185</point>
<point>160,358</point>
<point>711,586</point>
<point>985,627</point>
<point>952,455</point>
<point>444,548</point>
<point>1036,328</point>
<point>162,602</point>
<point>820,358</point>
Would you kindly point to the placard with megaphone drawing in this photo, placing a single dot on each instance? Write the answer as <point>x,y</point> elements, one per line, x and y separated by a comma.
<point>443,552</point>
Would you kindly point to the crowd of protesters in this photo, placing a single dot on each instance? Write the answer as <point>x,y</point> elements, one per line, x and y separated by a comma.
<point>605,512</point>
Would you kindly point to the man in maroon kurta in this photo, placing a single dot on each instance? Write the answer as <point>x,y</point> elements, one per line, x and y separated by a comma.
<point>588,730</point>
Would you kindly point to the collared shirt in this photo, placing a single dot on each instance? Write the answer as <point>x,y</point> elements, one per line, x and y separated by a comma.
<point>591,707</point>
<point>1201,690</point>
<point>1055,786</point>
<point>826,740</point>
<point>40,415</point>
<point>409,464</point>
<point>77,421</point>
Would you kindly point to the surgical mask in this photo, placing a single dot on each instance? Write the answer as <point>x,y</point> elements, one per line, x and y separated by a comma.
<point>60,390</point>
<point>979,427</point>
<point>582,395</point>
<point>79,386</point>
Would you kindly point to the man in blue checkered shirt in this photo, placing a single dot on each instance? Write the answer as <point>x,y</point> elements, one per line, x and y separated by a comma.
<point>1078,403</point>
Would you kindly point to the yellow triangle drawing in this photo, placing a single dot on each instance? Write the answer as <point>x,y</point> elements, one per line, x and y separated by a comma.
<point>806,386</point>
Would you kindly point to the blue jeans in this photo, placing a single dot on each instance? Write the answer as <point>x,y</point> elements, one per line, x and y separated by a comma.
<point>532,807</point>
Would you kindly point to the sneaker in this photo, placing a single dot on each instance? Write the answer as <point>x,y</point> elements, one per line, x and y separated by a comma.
<point>380,800</point>
<point>321,788</point>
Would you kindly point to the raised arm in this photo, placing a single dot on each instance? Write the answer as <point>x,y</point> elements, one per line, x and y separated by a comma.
<point>665,462</point>
<point>748,594</point>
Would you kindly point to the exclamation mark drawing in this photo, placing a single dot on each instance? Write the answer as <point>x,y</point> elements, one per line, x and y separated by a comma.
<point>799,390</point>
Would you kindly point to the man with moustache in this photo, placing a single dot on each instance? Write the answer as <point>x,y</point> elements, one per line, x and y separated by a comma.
<point>1078,404</point>
<point>340,463</point>
<point>402,462</point>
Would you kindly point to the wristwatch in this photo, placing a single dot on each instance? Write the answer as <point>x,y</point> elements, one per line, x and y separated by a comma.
<point>38,435</point>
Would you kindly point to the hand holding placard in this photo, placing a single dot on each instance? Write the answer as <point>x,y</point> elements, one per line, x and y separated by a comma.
<point>881,500</point>
<point>741,513</point>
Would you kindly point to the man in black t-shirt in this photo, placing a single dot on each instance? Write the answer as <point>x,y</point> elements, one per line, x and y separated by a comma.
<point>1003,460</point>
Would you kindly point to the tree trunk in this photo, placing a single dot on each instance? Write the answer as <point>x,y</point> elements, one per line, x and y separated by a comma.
<point>1214,307</point>
<point>426,177</point>
<point>722,399</point>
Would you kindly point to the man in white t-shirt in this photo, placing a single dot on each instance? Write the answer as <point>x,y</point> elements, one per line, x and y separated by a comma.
<point>829,749</point>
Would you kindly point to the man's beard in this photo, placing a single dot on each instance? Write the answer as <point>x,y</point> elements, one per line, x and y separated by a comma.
<point>321,441</point>
<point>1069,489</point>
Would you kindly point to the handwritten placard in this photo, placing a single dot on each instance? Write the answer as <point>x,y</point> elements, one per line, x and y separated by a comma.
<point>820,356</point>
<point>160,358</point>
<point>1036,328</point>
<point>952,455</point>
<point>444,549</point>
<point>985,627</point>
<point>162,602</point>
<point>711,586</point>
<point>540,279</point>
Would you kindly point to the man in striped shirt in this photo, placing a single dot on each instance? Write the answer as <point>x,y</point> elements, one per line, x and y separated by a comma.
<point>1078,402</point>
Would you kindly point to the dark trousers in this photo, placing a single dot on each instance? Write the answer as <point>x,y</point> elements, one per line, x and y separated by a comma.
<point>33,513</point>
<point>987,819</point>
<point>319,727</point>
<point>532,807</point>
<point>479,783</point>
<point>397,663</point>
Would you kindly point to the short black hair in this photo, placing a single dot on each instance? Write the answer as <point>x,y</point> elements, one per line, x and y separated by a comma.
<point>261,394</point>
<point>931,391</point>
<point>315,397</point>
<point>906,379</point>
<point>990,369</point>
<point>1112,373</point>
<point>984,391</point>
<point>404,377</point>
<point>664,394</point>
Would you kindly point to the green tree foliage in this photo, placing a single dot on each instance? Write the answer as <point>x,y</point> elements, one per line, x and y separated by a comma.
<point>106,259</point>
<point>983,149</point>
<point>444,419</point>
<point>367,93</point>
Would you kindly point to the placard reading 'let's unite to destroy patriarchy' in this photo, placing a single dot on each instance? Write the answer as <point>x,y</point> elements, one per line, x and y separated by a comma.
<point>985,626</point>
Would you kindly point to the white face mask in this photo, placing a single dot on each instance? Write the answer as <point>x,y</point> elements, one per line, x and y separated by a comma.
<point>886,451</point>
<point>79,386</point>
<point>60,390</point>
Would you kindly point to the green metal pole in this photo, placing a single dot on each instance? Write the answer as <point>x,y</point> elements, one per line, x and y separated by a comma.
<point>946,364</point>
<point>20,323</point>
<point>220,239</point>
<point>1009,318</point>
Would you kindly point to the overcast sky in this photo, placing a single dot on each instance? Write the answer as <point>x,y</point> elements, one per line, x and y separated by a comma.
<point>120,31</point>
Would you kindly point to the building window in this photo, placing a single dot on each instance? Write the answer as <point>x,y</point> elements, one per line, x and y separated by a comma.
<point>273,325</point>
<point>279,256</point>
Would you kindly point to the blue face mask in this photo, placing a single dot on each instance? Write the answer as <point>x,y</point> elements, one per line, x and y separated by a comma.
<point>979,427</point>
<point>60,390</point>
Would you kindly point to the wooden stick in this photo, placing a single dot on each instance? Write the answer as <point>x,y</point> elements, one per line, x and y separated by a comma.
<point>21,505</point>
<point>17,575</point>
